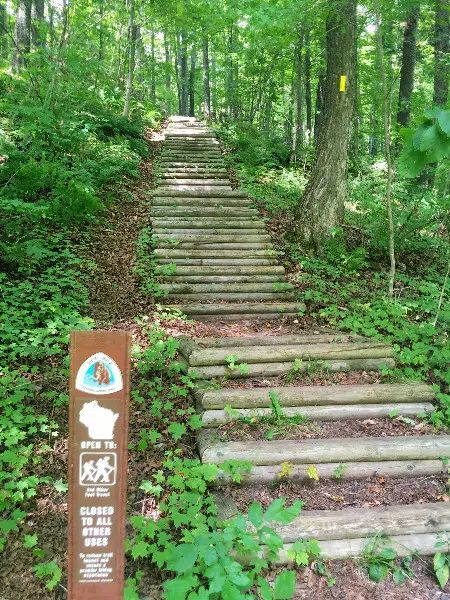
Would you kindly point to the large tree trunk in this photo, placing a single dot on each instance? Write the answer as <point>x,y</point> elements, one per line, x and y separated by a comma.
<point>132,35</point>
<point>22,38</point>
<point>177,62</point>
<point>152,69</point>
<point>206,79</point>
<point>308,93</point>
<point>322,205</point>
<point>38,32</point>
<point>167,67</point>
<point>297,129</point>
<point>408,66</point>
<point>184,84</point>
<point>441,52</point>
<point>3,31</point>
<point>231,81</point>
<point>320,93</point>
<point>192,81</point>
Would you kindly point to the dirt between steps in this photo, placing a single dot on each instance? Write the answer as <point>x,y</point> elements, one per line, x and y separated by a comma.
<point>263,430</point>
<point>333,495</point>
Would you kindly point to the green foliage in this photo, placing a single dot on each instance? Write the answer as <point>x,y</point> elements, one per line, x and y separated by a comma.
<point>233,363</point>
<point>20,430</point>
<point>236,469</point>
<point>303,552</point>
<point>253,147</point>
<point>42,303</point>
<point>441,565</point>
<point>429,143</point>
<point>204,557</point>
<point>379,561</point>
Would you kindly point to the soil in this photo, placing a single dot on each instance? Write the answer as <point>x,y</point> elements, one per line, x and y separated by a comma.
<point>239,430</point>
<point>335,495</point>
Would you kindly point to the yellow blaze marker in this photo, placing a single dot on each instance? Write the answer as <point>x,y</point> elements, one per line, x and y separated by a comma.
<point>343,83</point>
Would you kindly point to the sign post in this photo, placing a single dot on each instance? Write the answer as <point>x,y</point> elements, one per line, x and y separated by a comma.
<point>98,439</point>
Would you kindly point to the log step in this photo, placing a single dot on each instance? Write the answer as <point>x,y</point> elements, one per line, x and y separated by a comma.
<point>207,223</point>
<point>307,396</point>
<point>231,297</point>
<point>289,353</point>
<point>216,418</point>
<point>254,309</point>
<point>269,474</point>
<point>201,201</point>
<point>274,369</point>
<point>235,254</point>
<point>331,450</point>
<point>162,232</point>
<point>200,181</point>
<point>205,211</point>
<point>211,270</point>
<point>199,288</point>
<point>188,191</point>
<point>216,262</point>
<point>404,545</point>
<point>214,279</point>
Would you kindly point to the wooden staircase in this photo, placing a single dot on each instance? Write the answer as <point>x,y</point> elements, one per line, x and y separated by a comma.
<point>223,271</point>
<point>225,265</point>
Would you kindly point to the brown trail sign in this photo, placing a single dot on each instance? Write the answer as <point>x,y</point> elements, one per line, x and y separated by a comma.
<point>99,397</point>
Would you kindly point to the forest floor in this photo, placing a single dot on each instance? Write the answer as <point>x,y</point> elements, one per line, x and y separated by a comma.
<point>117,302</point>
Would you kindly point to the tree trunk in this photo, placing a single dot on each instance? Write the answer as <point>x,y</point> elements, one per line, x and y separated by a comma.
<point>213,87</point>
<point>152,69</point>
<point>407,68</point>
<point>132,33</point>
<point>192,81</point>
<point>230,82</point>
<point>167,67</point>
<point>22,38</point>
<point>441,52</point>
<point>184,74</point>
<point>38,33</point>
<point>177,61</point>
<point>297,129</point>
<point>320,93</point>
<point>3,31</point>
<point>206,80</point>
<point>386,96</point>
<point>322,205</point>
<point>308,94</point>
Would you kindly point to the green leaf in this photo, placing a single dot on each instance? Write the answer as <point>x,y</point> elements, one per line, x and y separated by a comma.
<point>60,486</point>
<point>255,514</point>
<point>429,138</point>
<point>183,558</point>
<point>30,541</point>
<point>441,568</point>
<point>378,571</point>
<point>180,586</point>
<point>443,119</point>
<point>284,587</point>
<point>177,430</point>
<point>140,550</point>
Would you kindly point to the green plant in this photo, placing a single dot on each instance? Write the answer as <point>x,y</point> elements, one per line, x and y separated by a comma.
<point>236,469</point>
<point>379,560</point>
<point>339,470</point>
<point>188,541</point>
<point>232,364</point>
<point>275,405</point>
<point>441,565</point>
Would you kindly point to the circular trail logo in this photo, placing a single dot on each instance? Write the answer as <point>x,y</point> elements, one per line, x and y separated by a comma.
<point>99,374</point>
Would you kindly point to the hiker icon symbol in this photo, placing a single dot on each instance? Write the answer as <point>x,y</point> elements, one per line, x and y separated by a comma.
<point>98,468</point>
